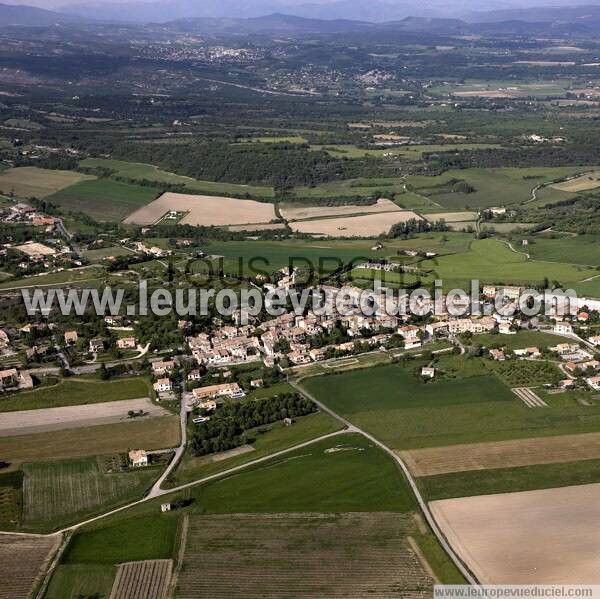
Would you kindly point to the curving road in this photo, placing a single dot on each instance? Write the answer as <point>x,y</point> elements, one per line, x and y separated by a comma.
<point>422,503</point>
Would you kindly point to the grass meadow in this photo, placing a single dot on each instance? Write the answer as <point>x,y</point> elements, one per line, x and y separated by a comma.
<point>103,199</point>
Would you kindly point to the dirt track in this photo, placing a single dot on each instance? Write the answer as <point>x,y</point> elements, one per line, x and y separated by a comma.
<point>502,454</point>
<point>536,537</point>
<point>28,422</point>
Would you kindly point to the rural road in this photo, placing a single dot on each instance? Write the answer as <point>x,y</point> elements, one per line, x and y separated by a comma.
<point>156,490</point>
<point>422,503</point>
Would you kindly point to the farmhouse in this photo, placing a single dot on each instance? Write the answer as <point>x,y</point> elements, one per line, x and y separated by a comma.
<point>96,345</point>
<point>497,354</point>
<point>138,458</point>
<point>563,328</point>
<point>232,390</point>
<point>505,328</point>
<point>163,385</point>
<point>4,339</point>
<point>127,343</point>
<point>71,337</point>
<point>162,367</point>
<point>428,372</point>
<point>594,382</point>
<point>595,340</point>
<point>113,321</point>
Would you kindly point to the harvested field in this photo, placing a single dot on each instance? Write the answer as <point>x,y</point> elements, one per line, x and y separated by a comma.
<point>33,248</point>
<point>23,559</point>
<point>581,183</point>
<point>502,454</point>
<point>293,213</point>
<point>257,227</point>
<point>30,181</point>
<point>204,210</point>
<point>302,555</point>
<point>370,225</point>
<point>155,433</point>
<point>142,580</point>
<point>533,537</point>
<point>452,217</point>
<point>53,419</point>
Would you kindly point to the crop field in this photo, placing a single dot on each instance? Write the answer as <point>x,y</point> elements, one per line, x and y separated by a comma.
<point>142,580</point>
<point>302,555</point>
<point>155,433</point>
<point>204,210</point>
<point>510,479</point>
<point>520,340</point>
<point>452,217</point>
<point>304,213</point>
<point>370,225</point>
<point>30,181</point>
<point>11,498</point>
<point>22,562</point>
<point>55,493</point>
<point>532,537</point>
<point>391,403</point>
<point>136,170</point>
<point>525,373</point>
<point>502,454</point>
<point>103,199</point>
<point>76,581</point>
<point>489,187</point>
<point>107,252</point>
<point>70,392</point>
<point>581,183</point>
<point>30,422</point>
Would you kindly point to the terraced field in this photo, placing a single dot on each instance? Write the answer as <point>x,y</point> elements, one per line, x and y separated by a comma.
<point>302,555</point>
<point>22,559</point>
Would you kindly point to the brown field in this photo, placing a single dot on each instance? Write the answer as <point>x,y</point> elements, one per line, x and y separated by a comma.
<point>204,210</point>
<point>301,555</point>
<point>28,181</point>
<point>534,537</point>
<point>142,580</point>
<point>452,217</point>
<point>581,183</point>
<point>370,225</point>
<point>30,422</point>
<point>23,559</point>
<point>502,454</point>
<point>546,63</point>
<point>33,248</point>
<point>489,94</point>
<point>155,433</point>
<point>257,227</point>
<point>292,213</point>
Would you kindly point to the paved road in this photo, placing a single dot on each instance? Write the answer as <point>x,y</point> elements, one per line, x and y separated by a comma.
<point>156,490</point>
<point>422,503</point>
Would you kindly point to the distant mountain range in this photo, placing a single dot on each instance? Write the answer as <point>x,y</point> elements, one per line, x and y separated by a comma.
<point>526,21</point>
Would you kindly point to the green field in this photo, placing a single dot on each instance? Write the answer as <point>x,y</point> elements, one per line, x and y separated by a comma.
<point>521,340</point>
<point>492,187</point>
<point>575,249</point>
<point>11,499</point>
<point>78,581</point>
<point>71,392</point>
<point>412,152</point>
<point>101,254</point>
<point>136,170</point>
<point>525,373</point>
<point>392,403</point>
<point>30,181</point>
<point>269,439</point>
<point>492,261</point>
<point>64,277</point>
<point>509,480</point>
<point>60,492</point>
<point>103,199</point>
